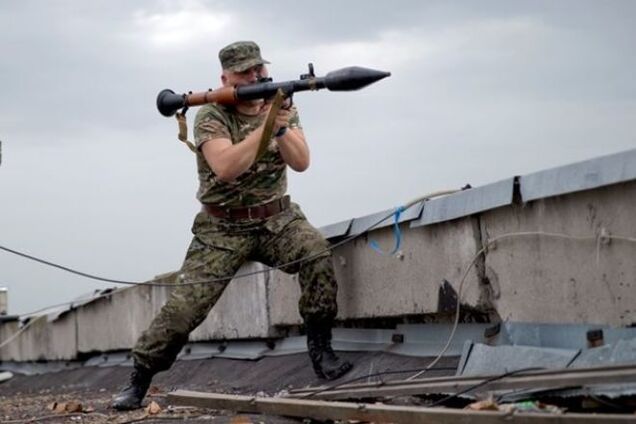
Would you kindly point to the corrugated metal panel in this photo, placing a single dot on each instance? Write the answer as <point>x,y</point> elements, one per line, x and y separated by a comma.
<point>361,225</point>
<point>466,203</point>
<point>338,229</point>
<point>579,176</point>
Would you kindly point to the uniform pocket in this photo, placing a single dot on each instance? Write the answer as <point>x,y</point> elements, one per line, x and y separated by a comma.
<point>276,223</point>
<point>219,233</point>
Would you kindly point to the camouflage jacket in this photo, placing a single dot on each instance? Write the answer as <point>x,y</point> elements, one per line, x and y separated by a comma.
<point>265,180</point>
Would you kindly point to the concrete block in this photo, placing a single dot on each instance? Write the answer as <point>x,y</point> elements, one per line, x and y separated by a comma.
<point>372,285</point>
<point>41,340</point>
<point>543,279</point>
<point>117,321</point>
<point>240,312</point>
<point>283,295</point>
<point>114,322</point>
<point>10,351</point>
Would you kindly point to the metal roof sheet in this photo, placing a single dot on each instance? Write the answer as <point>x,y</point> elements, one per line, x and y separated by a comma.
<point>586,175</point>
<point>466,202</point>
<point>491,360</point>
<point>362,224</point>
<point>337,229</point>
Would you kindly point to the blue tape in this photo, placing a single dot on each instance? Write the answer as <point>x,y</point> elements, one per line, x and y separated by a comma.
<point>396,233</point>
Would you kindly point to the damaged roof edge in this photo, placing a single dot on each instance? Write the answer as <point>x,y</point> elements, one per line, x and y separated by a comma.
<point>361,224</point>
<point>56,313</point>
<point>336,230</point>
<point>467,202</point>
<point>585,175</point>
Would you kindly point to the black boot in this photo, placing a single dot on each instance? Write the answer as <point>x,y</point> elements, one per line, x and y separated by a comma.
<point>326,364</point>
<point>132,395</point>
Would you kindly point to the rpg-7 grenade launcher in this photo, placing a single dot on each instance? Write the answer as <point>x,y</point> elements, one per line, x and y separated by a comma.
<point>345,79</point>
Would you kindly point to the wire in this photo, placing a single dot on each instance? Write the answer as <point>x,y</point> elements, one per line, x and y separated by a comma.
<point>153,283</point>
<point>229,277</point>
<point>455,323</point>
<point>33,315</point>
<point>378,374</point>
<point>608,403</point>
<point>213,280</point>
<point>483,383</point>
<point>20,331</point>
<point>482,251</point>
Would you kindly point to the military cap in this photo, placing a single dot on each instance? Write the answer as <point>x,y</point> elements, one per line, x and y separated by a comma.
<point>240,56</point>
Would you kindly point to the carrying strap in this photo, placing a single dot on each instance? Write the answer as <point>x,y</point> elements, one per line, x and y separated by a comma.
<point>277,103</point>
<point>266,137</point>
<point>183,131</point>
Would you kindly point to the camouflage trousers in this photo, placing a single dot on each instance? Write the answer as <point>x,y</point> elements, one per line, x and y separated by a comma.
<point>219,247</point>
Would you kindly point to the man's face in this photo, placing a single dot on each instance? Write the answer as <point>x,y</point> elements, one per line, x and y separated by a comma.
<point>249,76</point>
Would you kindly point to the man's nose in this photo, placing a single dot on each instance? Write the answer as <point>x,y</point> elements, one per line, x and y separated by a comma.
<point>252,76</point>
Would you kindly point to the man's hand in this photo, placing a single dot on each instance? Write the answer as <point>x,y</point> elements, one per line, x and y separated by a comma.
<point>282,120</point>
<point>291,143</point>
<point>282,117</point>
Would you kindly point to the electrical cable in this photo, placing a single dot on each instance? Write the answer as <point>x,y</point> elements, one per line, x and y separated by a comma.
<point>608,403</point>
<point>20,331</point>
<point>483,383</point>
<point>237,276</point>
<point>378,374</point>
<point>483,250</point>
<point>33,316</point>
<point>229,277</point>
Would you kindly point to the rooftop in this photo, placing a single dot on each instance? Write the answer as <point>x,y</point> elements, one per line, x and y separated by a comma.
<point>532,274</point>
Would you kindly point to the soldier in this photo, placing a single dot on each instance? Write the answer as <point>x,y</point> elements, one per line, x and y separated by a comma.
<point>246,215</point>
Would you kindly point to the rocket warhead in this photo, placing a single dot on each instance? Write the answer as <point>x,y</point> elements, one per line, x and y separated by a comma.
<point>352,78</point>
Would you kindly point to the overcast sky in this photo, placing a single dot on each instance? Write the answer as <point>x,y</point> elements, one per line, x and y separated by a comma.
<point>93,177</point>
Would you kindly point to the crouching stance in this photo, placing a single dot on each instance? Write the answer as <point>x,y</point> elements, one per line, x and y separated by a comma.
<point>246,215</point>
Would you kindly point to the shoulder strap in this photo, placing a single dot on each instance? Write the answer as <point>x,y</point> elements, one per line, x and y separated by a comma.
<point>183,131</point>
<point>269,124</point>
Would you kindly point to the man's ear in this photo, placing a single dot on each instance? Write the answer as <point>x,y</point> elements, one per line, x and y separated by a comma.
<point>223,79</point>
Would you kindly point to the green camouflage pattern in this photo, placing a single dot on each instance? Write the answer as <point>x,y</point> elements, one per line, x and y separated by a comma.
<point>240,56</point>
<point>264,181</point>
<point>219,247</point>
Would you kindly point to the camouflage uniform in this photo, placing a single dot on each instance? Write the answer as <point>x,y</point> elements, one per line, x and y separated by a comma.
<point>221,246</point>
